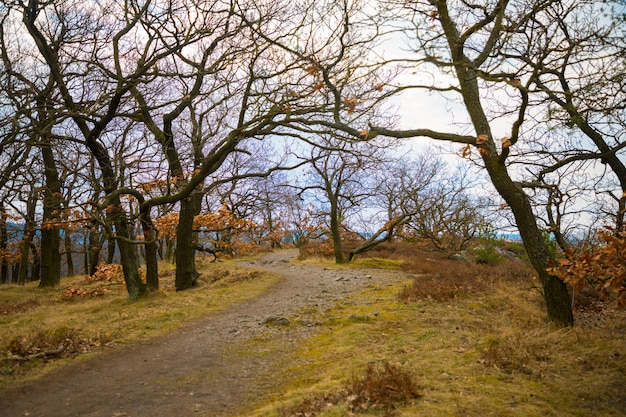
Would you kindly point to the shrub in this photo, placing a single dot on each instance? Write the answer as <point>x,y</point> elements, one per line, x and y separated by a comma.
<point>601,266</point>
<point>446,279</point>
<point>487,255</point>
<point>382,386</point>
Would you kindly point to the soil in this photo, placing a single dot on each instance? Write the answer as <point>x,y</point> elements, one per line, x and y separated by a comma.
<point>209,367</point>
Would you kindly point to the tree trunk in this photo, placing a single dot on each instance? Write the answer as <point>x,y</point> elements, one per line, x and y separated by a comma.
<point>555,291</point>
<point>151,250</point>
<point>4,263</point>
<point>35,272</point>
<point>335,230</point>
<point>27,237</point>
<point>24,252</point>
<point>170,250</point>
<point>50,230</point>
<point>152,265</point>
<point>111,245</point>
<point>69,260</point>
<point>186,273</point>
<point>556,295</point>
<point>92,252</point>
<point>128,255</point>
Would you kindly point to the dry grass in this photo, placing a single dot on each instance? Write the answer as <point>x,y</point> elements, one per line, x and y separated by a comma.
<point>470,339</point>
<point>382,387</point>
<point>445,279</point>
<point>473,338</point>
<point>39,327</point>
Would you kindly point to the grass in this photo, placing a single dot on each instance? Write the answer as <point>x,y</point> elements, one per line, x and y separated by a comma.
<point>477,346</point>
<point>360,262</point>
<point>443,338</point>
<point>51,324</point>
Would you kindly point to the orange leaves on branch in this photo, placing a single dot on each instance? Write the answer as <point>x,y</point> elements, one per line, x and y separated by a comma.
<point>166,225</point>
<point>351,103</point>
<point>481,141</point>
<point>506,142</point>
<point>466,151</point>
<point>219,229</point>
<point>379,87</point>
<point>313,69</point>
<point>602,266</point>
<point>318,86</point>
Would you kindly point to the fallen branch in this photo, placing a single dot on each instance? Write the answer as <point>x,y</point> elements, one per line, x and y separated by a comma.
<point>45,354</point>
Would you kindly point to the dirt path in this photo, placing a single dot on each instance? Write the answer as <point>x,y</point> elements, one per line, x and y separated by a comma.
<point>194,370</point>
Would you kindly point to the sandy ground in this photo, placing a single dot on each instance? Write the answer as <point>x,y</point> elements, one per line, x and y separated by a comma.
<point>199,369</point>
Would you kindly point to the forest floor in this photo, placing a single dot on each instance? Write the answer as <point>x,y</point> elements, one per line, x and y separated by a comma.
<point>197,369</point>
<point>420,335</point>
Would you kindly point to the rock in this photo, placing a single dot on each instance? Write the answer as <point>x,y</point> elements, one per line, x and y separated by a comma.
<point>276,321</point>
<point>506,253</point>
<point>462,256</point>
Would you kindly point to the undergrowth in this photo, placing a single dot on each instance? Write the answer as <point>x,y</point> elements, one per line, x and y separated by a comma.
<point>382,386</point>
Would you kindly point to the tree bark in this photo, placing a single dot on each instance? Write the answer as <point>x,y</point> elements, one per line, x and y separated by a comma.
<point>50,230</point>
<point>335,221</point>
<point>68,247</point>
<point>92,252</point>
<point>27,237</point>
<point>556,295</point>
<point>186,273</point>
<point>35,272</point>
<point>335,231</point>
<point>4,263</point>
<point>151,248</point>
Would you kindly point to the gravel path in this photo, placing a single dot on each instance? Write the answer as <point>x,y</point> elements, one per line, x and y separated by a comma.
<point>194,370</point>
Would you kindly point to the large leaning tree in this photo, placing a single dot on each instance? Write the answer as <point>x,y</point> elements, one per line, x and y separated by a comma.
<point>453,52</point>
<point>456,41</point>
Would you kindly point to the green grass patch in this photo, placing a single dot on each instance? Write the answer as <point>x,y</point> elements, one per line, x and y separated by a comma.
<point>377,263</point>
<point>358,263</point>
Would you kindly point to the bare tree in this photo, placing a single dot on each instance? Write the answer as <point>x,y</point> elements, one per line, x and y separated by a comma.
<point>572,74</point>
<point>436,202</point>
<point>454,44</point>
<point>337,180</point>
